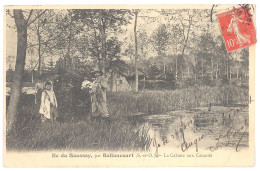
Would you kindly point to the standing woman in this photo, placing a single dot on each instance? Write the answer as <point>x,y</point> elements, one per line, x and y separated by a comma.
<point>98,95</point>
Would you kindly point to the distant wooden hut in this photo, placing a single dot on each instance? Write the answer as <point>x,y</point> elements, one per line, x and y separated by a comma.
<point>121,77</point>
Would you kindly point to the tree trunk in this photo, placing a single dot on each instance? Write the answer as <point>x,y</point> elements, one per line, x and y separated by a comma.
<point>164,67</point>
<point>96,46</point>
<point>217,72</point>
<point>136,54</point>
<point>144,84</point>
<point>103,40</point>
<point>111,81</point>
<point>227,68</point>
<point>39,46</point>
<point>187,37</point>
<point>237,72</point>
<point>230,74</point>
<point>32,77</point>
<point>69,45</point>
<point>212,70</point>
<point>21,26</point>
<point>176,72</point>
<point>202,71</point>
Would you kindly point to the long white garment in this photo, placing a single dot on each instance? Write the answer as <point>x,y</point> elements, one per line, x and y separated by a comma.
<point>47,98</point>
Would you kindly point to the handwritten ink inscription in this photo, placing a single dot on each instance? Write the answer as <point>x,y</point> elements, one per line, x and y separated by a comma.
<point>205,130</point>
<point>230,134</point>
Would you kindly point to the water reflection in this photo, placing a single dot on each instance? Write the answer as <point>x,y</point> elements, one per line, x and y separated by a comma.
<point>221,127</point>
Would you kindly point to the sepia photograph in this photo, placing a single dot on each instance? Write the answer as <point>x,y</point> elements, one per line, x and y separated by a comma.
<point>154,83</point>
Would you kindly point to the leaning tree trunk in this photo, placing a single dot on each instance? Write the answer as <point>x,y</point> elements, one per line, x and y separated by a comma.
<point>21,26</point>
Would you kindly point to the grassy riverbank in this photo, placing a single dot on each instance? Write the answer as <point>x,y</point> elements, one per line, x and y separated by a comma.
<point>78,135</point>
<point>75,131</point>
<point>156,102</point>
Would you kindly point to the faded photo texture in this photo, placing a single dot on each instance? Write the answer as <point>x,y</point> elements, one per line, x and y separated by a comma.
<point>145,80</point>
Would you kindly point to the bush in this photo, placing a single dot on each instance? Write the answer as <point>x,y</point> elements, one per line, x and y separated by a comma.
<point>70,96</point>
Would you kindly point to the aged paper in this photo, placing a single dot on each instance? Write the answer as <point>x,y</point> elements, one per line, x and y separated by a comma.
<point>129,85</point>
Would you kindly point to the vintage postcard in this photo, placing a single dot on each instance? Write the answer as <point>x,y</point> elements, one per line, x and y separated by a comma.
<point>129,85</point>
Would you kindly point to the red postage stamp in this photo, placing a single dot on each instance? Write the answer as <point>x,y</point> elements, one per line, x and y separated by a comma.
<point>237,28</point>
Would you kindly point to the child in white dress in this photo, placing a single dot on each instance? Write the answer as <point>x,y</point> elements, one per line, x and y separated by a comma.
<point>48,108</point>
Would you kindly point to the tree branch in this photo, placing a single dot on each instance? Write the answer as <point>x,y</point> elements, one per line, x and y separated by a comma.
<point>31,11</point>
<point>183,30</point>
<point>8,12</point>
<point>47,40</point>
<point>211,13</point>
<point>36,17</point>
<point>44,50</point>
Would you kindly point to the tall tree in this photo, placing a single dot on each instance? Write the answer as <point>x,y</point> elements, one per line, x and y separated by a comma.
<point>161,41</point>
<point>21,25</point>
<point>245,61</point>
<point>70,37</point>
<point>104,23</point>
<point>136,51</point>
<point>43,34</point>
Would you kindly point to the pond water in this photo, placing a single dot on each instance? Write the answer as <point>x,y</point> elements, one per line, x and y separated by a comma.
<point>199,129</point>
